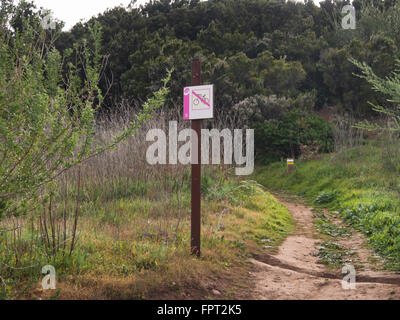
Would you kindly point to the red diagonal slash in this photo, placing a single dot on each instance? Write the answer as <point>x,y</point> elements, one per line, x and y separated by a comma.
<point>201,99</point>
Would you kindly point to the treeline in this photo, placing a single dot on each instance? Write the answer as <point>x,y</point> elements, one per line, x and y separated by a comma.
<point>277,61</point>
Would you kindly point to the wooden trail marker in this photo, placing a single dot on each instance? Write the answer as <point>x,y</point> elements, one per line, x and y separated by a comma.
<point>290,165</point>
<point>196,172</point>
<point>198,104</point>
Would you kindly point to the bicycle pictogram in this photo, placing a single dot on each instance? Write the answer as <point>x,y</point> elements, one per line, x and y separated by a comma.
<point>198,102</point>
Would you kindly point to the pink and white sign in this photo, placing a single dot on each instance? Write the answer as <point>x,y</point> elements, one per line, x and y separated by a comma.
<point>198,102</point>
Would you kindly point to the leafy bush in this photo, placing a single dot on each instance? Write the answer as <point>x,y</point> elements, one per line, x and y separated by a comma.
<point>276,139</point>
<point>282,125</point>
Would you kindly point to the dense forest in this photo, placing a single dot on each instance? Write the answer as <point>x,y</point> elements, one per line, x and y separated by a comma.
<point>274,63</point>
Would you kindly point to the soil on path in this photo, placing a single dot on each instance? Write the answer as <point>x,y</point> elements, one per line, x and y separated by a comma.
<point>295,273</point>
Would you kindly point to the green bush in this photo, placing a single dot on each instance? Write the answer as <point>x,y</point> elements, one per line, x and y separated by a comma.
<point>280,138</point>
<point>282,125</point>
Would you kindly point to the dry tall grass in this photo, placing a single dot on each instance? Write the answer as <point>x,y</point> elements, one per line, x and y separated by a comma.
<point>114,198</point>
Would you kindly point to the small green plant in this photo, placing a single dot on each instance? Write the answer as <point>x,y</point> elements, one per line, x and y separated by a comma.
<point>326,197</point>
<point>238,244</point>
<point>231,192</point>
<point>333,254</point>
<point>325,226</point>
<point>249,187</point>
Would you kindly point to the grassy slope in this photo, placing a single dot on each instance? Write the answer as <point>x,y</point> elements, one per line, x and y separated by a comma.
<point>133,248</point>
<point>358,184</point>
<point>151,265</point>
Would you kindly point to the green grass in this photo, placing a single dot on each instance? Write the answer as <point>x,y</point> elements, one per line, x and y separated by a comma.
<point>132,245</point>
<point>358,183</point>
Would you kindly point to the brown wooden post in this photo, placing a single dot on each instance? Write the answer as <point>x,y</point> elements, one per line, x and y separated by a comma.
<point>196,172</point>
<point>290,165</point>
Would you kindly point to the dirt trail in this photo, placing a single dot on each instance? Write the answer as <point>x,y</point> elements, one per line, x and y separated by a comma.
<point>294,273</point>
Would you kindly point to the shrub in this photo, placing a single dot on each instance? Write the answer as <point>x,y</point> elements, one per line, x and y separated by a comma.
<point>283,125</point>
<point>47,111</point>
<point>276,139</point>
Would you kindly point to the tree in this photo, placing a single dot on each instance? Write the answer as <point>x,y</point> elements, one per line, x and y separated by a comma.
<point>388,86</point>
<point>47,111</point>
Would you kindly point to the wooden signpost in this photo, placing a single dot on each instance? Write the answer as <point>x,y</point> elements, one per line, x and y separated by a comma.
<point>290,165</point>
<point>198,104</point>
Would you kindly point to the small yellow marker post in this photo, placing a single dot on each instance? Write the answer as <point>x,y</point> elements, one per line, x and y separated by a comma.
<point>290,165</point>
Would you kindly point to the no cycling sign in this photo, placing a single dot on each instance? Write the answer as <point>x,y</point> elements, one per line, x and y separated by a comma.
<point>198,102</point>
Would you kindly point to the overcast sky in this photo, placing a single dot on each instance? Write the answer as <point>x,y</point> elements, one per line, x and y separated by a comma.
<point>72,11</point>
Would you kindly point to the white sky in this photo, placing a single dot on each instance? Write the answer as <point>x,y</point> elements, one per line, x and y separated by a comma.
<point>72,11</point>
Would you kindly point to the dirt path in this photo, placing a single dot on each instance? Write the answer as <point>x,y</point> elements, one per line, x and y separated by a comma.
<point>295,273</point>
